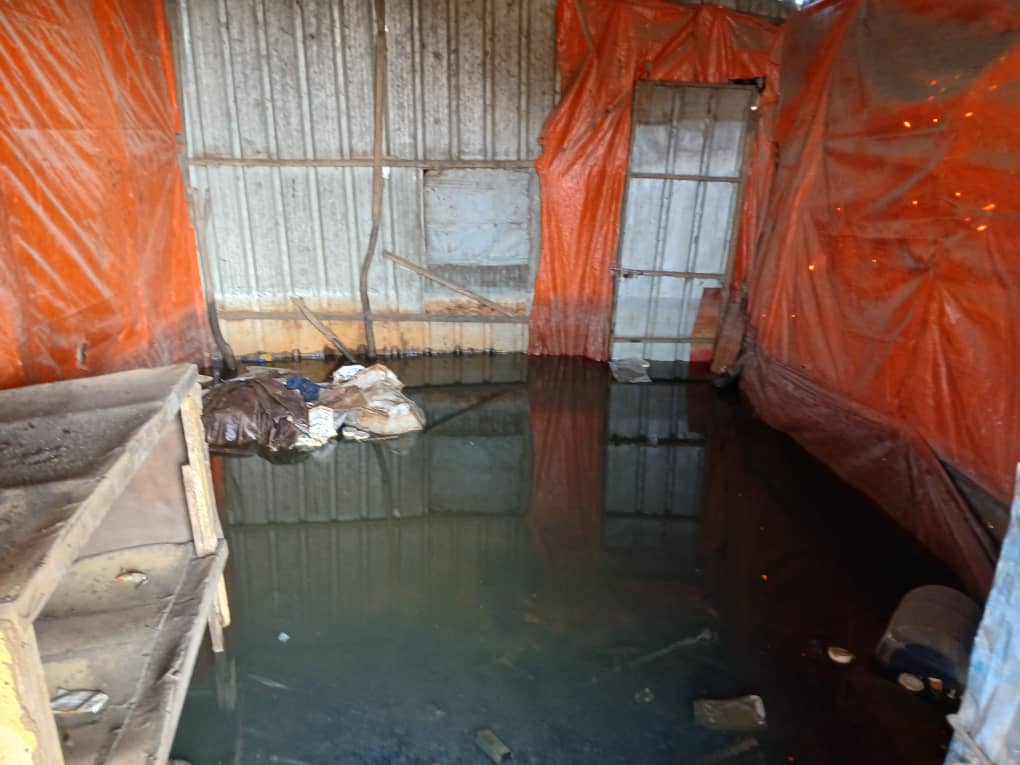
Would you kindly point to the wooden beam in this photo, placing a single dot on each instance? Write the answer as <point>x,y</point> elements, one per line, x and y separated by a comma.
<point>414,164</point>
<point>422,271</point>
<point>323,329</point>
<point>433,318</point>
<point>28,732</point>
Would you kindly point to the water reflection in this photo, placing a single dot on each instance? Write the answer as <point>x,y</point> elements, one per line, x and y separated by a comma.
<point>509,567</point>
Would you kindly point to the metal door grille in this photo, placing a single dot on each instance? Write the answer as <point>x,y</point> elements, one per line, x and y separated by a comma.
<point>678,228</point>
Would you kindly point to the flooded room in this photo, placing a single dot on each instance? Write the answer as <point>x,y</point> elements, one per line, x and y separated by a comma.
<point>451,382</point>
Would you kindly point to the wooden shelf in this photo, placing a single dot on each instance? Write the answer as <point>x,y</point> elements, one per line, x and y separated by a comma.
<point>99,477</point>
<point>136,644</point>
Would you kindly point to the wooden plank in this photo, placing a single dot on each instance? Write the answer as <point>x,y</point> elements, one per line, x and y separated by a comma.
<point>223,604</point>
<point>706,323</point>
<point>219,617</point>
<point>731,338</point>
<point>367,162</point>
<point>422,271</point>
<point>323,329</point>
<point>198,511</point>
<point>153,396</point>
<point>28,734</point>
<point>205,521</point>
<point>216,631</point>
<point>148,732</point>
<point>202,498</point>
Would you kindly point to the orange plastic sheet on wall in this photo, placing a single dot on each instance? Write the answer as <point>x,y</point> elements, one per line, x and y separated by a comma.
<point>889,275</point>
<point>605,46</point>
<point>99,266</point>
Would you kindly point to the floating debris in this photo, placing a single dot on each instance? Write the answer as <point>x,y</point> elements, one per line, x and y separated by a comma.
<point>268,682</point>
<point>743,746</point>
<point>912,683</point>
<point>137,578</point>
<point>78,702</point>
<point>745,713</point>
<point>644,696</point>
<point>840,655</point>
<point>705,636</point>
<point>630,371</point>
<point>493,747</point>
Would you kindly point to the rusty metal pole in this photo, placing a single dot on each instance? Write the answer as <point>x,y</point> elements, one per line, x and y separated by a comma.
<point>377,168</point>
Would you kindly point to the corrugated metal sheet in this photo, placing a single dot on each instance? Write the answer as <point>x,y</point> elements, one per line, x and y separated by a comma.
<point>278,106</point>
<point>988,723</point>
<point>685,172</point>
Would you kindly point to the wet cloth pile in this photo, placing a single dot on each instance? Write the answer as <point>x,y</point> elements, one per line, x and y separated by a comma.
<point>290,412</point>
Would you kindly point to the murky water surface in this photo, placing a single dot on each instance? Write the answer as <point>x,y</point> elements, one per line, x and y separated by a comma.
<point>566,561</point>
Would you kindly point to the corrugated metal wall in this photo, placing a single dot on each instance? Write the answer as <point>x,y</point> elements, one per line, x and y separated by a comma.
<point>278,106</point>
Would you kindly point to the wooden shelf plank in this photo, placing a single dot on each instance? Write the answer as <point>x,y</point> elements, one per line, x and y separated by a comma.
<point>138,645</point>
<point>91,487</point>
<point>68,450</point>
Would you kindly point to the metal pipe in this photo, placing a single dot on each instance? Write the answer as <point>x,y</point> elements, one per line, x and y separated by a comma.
<point>377,177</point>
<point>201,210</point>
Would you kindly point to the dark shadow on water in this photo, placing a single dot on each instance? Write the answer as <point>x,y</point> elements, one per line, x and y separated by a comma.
<point>510,567</point>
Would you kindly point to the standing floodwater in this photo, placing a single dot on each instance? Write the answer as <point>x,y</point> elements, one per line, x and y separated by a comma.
<point>567,563</point>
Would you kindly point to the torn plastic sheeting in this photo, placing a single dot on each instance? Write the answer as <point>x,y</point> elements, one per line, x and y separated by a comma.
<point>265,412</point>
<point>888,273</point>
<point>586,144</point>
<point>372,402</point>
<point>880,456</point>
<point>250,413</point>
<point>100,265</point>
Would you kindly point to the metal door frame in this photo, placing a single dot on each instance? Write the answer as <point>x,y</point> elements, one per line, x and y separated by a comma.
<point>741,180</point>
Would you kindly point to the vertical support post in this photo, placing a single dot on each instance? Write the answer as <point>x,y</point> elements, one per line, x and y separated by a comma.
<point>197,477</point>
<point>377,176</point>
<point>201,498</point>
<point>28,733</point>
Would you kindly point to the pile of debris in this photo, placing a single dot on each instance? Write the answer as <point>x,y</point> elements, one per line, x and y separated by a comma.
<point>280,411</point>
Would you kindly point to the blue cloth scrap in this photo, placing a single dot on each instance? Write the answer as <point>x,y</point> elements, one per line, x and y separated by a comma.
<point>309,391</point>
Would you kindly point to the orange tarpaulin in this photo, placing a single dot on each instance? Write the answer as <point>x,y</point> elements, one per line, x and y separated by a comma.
<point>887,283</point>
<point>99,265</point>
<point>605,46</point>
<point>879,260</point>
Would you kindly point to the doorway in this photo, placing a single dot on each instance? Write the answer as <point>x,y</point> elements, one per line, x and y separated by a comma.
<point>679,225</point>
